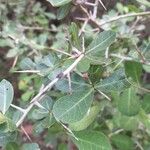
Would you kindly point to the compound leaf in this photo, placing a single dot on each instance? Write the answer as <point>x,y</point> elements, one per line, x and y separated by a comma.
<point>116,82</point>
<point>102,41</point>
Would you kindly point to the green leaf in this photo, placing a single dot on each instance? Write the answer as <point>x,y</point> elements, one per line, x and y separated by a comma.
<point>144,2</point>
<point>2,118</point>
<point>7,137</point>
<point>116,82</point>
<point>6,95</point>
<point>27,64</point>
<point>92,140</point>
<point>147,146</point>
<point>83,65</point>
<point>62,146</point>
<point>95,73</point>
<point>134,70</point>
<point>102,41</point>
<point>7,123</point>
<point>122,142</point>
<point>146,103</point>
<point>69,109</point>
<point>125,122</point>
<point>47,122</point>
<point>40,113</point>
<point>30,146</point>
<point>87,120</point>
<point>12,146</point>
<point>27,95</point>
<point>129,104</point>
<point>77,83</point>
<point>57,3</point>
<point>145,119</point>
<point>74,31</point>
<point>63,11</point>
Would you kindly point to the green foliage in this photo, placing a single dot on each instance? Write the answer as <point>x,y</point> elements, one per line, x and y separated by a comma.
<point>134,70</point>
<point>145,2</point>
<point>127,100</point>
<point>74,85</point>
<point>122,142</point>
<point>63,11</point>
<point>116,82</point>
<point>30,146</point>
<point>86,120</point>
<point>57,3</point>
<point>98,46</point>
<point>92,140</point>
<point>145,103</point>
<point>6,95</point>
<point>68,109</point>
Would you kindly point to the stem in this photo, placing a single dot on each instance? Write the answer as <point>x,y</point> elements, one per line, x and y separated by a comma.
<point>37,28</point>
<point>102,4</point>
<point>18,108</point>
<point>95,9</point>
<point>98,24</point>
<point>125,16</point>
<point>129,58</point>
<point>104,95</point>
<point>43,92</point>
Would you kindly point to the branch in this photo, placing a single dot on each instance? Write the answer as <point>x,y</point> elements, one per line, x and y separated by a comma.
<point>36,28</point>
<point>95,9</point>
<point>102,4</point>
<point>125,16</point>
<point>128,58</point>
<point>99,24</point>
<point>43,92</point>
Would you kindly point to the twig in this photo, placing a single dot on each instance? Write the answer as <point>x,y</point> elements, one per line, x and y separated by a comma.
<point>83,44</point>
<point>99,24</point>
<point>121,57</point>
<point>15,62</point>
<point>94,16</point>
<point>107,53</point>
<point>89,4</point>
<point>103,94</point>
<point>27,71</point>
<point>60,51</point>
<point>134,24</point>
<point>116,132</point>
<point>27,135</point>
<point>140,54</point>
<point>118,64</point>
<point>139,87</point>
<point>89,16</point>
<point>24,115</point>
<point>36,28</point>
<point>79,18</point>
<point>139,145</point>
<point>85,11</point>
<point>39,105</point>
<point>83,26</point>
<point>102,4</point>
<point>69,83</point>
<point>125,16</point>
<point>128,58</point>
<point>33,45</point>
<point>18,108</point>
<point>42,93</point>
